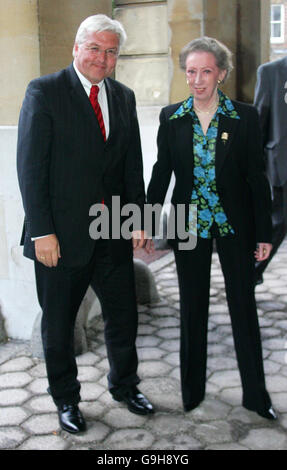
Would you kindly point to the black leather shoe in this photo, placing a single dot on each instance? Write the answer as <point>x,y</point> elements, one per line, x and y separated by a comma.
<point>71,419</point>
<point>136,401</point>
<point>269,414</point>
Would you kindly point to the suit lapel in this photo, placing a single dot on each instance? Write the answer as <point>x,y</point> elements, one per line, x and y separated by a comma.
<point>184,138</point>
<point>82,103</point>
<point>116,109</point>
<point>112,105</point>
<point>118,126</point>
<point>226,130</point>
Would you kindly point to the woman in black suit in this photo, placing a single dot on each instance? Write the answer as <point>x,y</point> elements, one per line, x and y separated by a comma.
<point>213,146</point>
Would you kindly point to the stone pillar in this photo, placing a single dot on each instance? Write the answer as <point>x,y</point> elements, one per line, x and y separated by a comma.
<point>143,64</point>
<point>185,20</point>
<point>253,44</point>
<point>244,28</point>
<point>157,31</point>
<point>223,12</point>
<point>19,52</point>
<point>36,38</point>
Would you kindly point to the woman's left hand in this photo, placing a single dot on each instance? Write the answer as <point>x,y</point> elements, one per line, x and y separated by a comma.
<point>263,251</point>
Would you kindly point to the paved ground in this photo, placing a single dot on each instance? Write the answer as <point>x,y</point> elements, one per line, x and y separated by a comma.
<point>28,420</point>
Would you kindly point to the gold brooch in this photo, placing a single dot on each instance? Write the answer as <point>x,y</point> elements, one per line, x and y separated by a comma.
<point>224,137</point>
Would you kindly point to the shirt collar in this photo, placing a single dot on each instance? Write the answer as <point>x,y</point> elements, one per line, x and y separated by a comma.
<point>85,82</point>
<point>225,107</point>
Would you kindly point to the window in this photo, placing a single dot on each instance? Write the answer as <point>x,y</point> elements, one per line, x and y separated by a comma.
<point>277,23</point>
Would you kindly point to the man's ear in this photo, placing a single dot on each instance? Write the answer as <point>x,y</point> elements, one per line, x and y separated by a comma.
<point>76,48</point>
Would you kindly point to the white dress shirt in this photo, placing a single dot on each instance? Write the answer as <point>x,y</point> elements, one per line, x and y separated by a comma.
<point>102,96</point>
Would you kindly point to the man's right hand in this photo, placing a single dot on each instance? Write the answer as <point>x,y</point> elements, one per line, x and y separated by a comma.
<point>47,250</point>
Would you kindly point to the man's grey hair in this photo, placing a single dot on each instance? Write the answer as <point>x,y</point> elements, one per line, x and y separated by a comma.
<point>99,23</point>
<point>223,56</point>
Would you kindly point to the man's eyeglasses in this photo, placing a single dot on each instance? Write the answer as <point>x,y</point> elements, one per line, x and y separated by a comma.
<point>112,53</point>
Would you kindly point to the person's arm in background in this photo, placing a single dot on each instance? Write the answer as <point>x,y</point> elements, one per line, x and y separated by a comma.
<point>262,101</point>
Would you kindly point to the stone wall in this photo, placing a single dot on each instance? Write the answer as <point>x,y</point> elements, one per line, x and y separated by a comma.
<point>58,24</point>
<point>252,45</point>
<point>157,31</point>
<point>144,61</point>
<point>36,37</point>
<point>18,298</point>
<point>19,52</point>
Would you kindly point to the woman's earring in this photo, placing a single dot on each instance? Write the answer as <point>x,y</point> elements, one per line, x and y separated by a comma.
<point>218,81</point>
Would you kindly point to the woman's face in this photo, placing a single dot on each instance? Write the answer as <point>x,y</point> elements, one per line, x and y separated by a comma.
<point>202,76</point>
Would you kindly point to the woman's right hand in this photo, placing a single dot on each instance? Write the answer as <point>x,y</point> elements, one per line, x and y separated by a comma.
<point>263,251</point>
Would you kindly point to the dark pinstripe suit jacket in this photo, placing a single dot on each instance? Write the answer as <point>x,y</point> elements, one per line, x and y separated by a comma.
<point>64,166</point>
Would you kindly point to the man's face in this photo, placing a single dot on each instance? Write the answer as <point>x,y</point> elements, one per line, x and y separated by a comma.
<point>96,58</point>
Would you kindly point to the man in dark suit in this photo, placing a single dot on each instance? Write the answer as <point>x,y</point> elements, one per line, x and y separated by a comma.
<point>74,152</point>
<point>271,102</point>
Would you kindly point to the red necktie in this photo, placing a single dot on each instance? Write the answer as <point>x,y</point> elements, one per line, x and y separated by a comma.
<point>94,101</point>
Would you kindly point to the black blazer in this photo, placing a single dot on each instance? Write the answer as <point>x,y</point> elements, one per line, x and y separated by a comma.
<point>64,165</point>
<point>242,186</point>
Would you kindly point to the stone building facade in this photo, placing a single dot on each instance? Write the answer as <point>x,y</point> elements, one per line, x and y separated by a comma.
<point>278,26</point>
<point>157,31</point>
<point>36,38</point>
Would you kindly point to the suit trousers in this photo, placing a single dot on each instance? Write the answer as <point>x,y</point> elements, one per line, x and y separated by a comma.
<point>193,268</point>
<point>279,226</point>
<point>60,292</point>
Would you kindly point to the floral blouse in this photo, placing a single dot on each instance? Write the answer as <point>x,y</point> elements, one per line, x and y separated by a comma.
<point>205,208</point>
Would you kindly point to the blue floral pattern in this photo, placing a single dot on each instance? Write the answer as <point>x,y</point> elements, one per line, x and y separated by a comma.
<point>204,196</point>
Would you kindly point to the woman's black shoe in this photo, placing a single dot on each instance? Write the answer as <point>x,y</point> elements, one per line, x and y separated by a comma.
<point>269,414</point>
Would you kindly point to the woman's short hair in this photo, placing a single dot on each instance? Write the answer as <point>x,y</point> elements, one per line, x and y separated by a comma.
<point>222,54</point>
<point>99,23</point>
